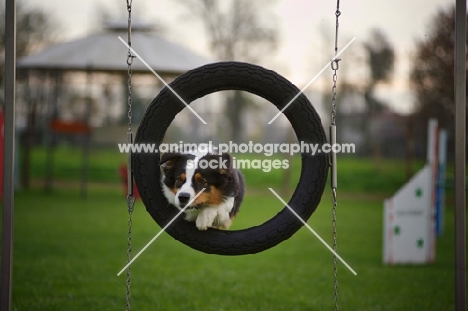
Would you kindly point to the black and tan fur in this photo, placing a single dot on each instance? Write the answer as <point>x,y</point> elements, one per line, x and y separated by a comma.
<point>223,186</point>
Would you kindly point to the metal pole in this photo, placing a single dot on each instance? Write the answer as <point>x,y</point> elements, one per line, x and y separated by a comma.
<point>87,135</point>
<point>460,153</point>
<point>8,177</point>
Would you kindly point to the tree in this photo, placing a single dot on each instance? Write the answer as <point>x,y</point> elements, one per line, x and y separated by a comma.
<point>236,31</point>
<point>432,75</point>
<point>34,29</point>
<point>380,59</point>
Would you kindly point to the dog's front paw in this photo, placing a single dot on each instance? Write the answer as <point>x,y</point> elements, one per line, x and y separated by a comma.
<point>222,220</point>
<point>203,223</point>
<point>225,224</point>
<point>205,218</point>
<point>201,226</point>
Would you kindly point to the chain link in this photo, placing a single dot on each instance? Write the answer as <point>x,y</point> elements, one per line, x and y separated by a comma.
<point>334,246</point>
<point>334,92</point>
<point>130,195</point>
<point>130,58</point>
<point>128,281</point>
<point>335,67</point>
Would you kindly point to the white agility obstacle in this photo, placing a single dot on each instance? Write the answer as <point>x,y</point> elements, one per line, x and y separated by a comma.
<point>413,216</point>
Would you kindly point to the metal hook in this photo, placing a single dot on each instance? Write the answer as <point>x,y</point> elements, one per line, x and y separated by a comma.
<point>335,63</point>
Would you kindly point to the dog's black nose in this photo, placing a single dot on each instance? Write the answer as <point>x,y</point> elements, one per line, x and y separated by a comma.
<point>184,197</point>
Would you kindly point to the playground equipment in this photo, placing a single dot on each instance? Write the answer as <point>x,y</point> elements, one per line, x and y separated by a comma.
<point>460,155</point>
<point>144,168</point>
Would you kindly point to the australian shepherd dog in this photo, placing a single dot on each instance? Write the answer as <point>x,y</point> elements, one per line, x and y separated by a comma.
<point>185,175</point>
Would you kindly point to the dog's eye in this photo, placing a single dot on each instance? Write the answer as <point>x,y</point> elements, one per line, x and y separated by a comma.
<point>202,182</point>
<point>179,181</point>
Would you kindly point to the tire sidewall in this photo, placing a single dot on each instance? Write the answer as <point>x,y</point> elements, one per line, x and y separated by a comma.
<point>206,80</point>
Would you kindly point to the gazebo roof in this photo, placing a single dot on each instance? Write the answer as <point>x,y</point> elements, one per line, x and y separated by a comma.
<point>105,52</point>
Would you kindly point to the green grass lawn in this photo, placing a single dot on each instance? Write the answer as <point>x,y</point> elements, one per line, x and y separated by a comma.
<point>361,175</point>
<point>68,251</point>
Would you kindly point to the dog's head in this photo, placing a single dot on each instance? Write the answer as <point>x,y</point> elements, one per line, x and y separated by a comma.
<point>185,175</point>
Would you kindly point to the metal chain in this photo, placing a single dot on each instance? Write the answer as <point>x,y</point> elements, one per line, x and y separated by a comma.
<point>335,270</point>
<point>130,195</point>
<point>333,100</point>
<point>128,280</point>
<point>130,58</point>
<point>333,164</point>
<point>335,64</point>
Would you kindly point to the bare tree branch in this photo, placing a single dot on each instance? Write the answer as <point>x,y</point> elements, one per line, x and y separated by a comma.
<point>237,30</point>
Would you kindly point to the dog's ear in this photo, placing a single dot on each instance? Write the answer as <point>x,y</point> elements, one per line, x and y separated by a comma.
<point>169,160</point>
<point>220,162</point>
<point>227,165</point>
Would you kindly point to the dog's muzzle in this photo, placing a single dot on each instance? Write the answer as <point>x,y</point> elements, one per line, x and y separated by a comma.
<point>184,198</point>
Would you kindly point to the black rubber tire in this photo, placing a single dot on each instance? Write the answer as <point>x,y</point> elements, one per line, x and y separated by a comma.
<point>231,76</point>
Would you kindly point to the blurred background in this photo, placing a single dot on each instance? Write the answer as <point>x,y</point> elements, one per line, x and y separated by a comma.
<point>72,111</point>
<point>392,79</point>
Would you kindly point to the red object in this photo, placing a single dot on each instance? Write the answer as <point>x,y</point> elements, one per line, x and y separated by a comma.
<point>123,176</point>
<point>2,146</point>
<point>61,126</point>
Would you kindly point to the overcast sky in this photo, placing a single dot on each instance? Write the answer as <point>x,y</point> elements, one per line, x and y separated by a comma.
<point>306,28</point>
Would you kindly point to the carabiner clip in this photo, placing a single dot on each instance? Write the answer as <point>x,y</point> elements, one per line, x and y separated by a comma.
<point>335,63</point>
